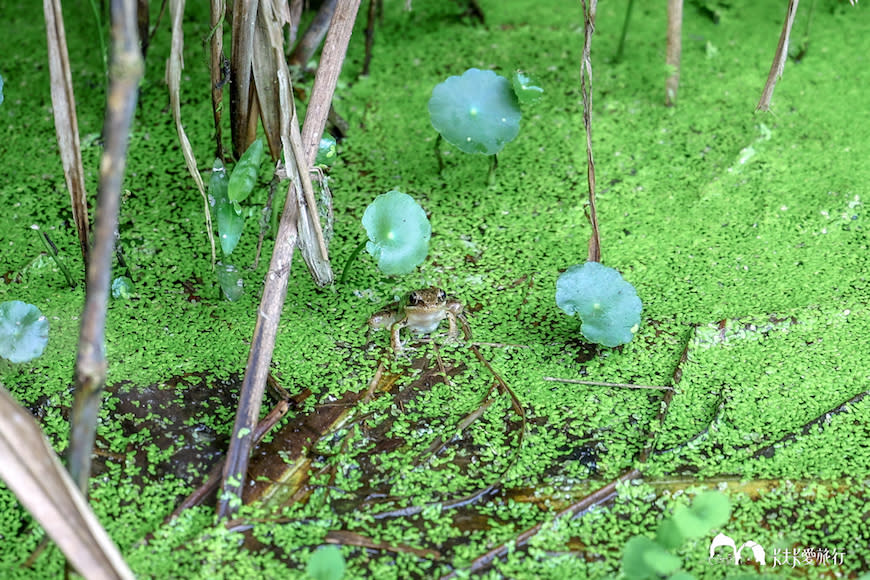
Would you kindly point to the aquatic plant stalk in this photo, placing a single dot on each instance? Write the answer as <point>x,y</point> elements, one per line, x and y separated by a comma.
<point>331,60</point>
<point>125,72</point>
<point>674,50</point>
<point>586,90</point>
<point>219,73</point>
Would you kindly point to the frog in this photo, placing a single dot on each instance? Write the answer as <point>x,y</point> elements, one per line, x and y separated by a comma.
<point>421,311</point>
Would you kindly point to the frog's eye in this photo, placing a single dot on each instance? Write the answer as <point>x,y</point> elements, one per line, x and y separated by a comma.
<point>442,295</point>
<point>414,299</point>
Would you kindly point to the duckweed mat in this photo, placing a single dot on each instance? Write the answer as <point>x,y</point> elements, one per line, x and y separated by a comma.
<point>744,234</point>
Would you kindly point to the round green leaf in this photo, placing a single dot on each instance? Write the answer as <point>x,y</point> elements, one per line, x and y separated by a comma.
<point>527,92</point>
<point>608,306</point>
<point>398,232</point>
<point>23,331</point>
<point>477,112</point>
<point>643,558</point>
<point>326,563</point>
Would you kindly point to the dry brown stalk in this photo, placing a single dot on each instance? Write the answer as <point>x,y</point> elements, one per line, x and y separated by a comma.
<point>65,121</point>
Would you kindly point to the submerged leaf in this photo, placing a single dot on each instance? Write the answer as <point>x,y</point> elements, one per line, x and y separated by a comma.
<point>327,151</point>
<point>477,112</point>
<point>23,331</point>
<point>122,288</point>
<point>230,281</point>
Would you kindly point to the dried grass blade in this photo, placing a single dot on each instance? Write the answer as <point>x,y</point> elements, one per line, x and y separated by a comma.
<point>241,58</point>
<point>30,468</point>
<point>778,65</point>
<point>65,121</point>
<point>173,79</point>
<point>218,13</point>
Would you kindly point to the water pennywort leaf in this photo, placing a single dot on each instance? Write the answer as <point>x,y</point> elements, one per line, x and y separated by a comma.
<point>608,306</point>
<point>477,112</point>
<point>398,232</point>
<point>326,563</point>
<point>23,331</point>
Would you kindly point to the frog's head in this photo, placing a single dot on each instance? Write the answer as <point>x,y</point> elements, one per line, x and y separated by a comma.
<point>427,297</point>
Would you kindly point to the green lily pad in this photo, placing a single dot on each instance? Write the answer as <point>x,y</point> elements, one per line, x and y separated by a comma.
<point>398,232</point>
<point>23,331</point>
<point>608,306</point>
<point>477,112</point>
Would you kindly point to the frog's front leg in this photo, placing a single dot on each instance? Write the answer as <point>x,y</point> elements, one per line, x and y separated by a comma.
<point>395,338</point>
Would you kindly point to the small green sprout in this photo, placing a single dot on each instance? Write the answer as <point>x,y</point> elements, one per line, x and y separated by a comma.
<point>230,223</point>
<point>398,234</point>
<point>608,306</point>
<point>528,93</point>
<point>23,331</point>
<point>244,176</point>
<point>477,112</point>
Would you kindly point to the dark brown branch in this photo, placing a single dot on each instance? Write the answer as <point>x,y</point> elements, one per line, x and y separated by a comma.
<point>274,291</point>
<point>65,121</point>
<point>125,72</point>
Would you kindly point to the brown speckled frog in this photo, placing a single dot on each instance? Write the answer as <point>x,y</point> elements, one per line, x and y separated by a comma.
<point>421,311</point>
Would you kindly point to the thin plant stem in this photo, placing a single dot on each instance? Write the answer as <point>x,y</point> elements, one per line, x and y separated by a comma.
<point>438,157</point>
<point>350,261</point>
<point>103,52</point>
<point>493,165</point>
<point>622,36</point>
<point>52,251</point>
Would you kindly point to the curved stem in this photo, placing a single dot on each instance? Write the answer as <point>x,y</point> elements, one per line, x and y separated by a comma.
<point>350,260</point>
